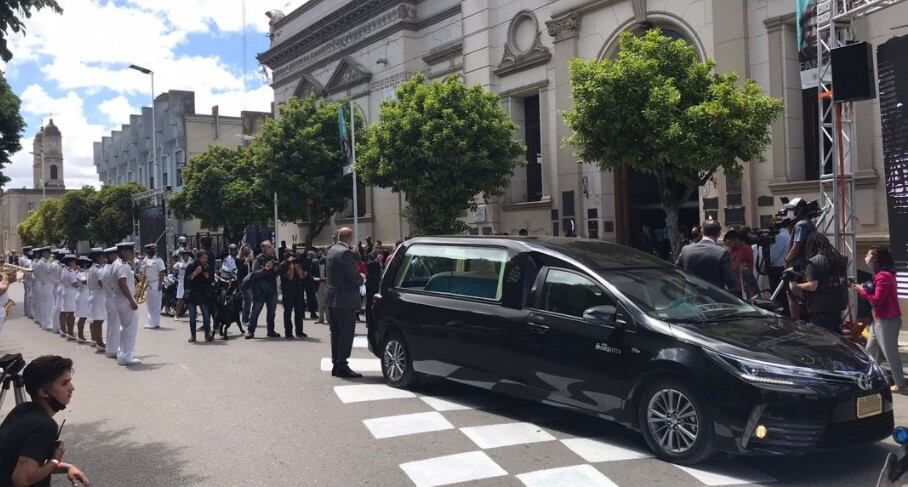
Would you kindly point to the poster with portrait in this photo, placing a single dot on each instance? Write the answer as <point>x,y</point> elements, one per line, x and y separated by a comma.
<point>807,41</point>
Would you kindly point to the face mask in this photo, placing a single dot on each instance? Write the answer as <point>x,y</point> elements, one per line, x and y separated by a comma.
<point>56,405</point>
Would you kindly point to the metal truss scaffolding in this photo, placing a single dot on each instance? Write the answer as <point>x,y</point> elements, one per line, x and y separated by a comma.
<point>834,24</point>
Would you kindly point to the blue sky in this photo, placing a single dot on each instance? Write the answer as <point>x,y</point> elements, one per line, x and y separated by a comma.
<point>74,66</point>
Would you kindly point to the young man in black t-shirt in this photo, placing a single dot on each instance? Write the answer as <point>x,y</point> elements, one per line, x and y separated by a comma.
<point>29,448</point>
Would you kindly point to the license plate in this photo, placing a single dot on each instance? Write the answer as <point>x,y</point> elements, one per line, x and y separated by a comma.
<point>870,406</point>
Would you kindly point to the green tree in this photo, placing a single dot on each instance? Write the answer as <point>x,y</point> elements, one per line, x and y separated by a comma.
<point>113,220</point>
<point>299,156</point>
<point>77,208</point>
<point>11,126</point>
<point>658,109</point>
<point>11,19</point>
<point>441,144</point>
<point>42,227</point>
<point>222,189</point>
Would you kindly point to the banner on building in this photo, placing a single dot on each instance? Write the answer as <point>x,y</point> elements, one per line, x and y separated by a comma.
<point>892,69</point>
<point>807,14</point>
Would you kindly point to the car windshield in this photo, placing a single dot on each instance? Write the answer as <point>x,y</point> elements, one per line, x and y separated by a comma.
<point>671,294</point>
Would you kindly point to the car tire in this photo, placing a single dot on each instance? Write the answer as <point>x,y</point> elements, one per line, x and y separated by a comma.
<point>396,365</point>
<point>675,422</point>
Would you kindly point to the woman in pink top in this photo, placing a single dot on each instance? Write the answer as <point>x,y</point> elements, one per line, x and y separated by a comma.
<point>887,318</point>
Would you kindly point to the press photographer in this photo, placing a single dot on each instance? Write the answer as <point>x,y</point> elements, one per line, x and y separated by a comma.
<point>826,283</point>
<point>30,448</point>
<point>802,212</point>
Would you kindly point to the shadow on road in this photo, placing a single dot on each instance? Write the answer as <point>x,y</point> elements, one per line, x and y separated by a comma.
<point>108,459</point>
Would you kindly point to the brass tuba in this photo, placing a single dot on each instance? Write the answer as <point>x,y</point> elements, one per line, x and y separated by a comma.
<point>141,286</point>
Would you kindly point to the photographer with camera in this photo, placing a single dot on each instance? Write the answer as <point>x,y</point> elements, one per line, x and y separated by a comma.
<point>293,274</point>
<point>264,290</point>
<point>826,283</point>
<point>797,255</point>
<point>30,449</point>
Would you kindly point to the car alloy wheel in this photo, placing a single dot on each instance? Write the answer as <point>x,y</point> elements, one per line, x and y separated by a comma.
<point>673,421</point>
<point>395,360</point>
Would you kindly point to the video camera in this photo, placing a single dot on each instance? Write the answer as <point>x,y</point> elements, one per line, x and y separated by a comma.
<point>12,363</point>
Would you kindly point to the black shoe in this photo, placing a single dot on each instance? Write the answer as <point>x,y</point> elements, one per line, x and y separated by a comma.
<point>273,334</point>
<point>313,316</point>
<point>288,336</point>
<point>250,336</point>
<point>300,334</point>
<point>334,372</point>
<point>347,373</point>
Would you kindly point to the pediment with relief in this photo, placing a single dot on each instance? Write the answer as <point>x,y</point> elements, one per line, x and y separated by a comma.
<point>524,48</point>
<point>349,73</point>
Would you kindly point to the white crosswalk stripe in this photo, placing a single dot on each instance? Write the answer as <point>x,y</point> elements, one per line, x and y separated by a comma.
<point>369,392</point>
<point>506,434</point>
<point>360,341</point>
<point>406,424</point>
<point>726,473</point>
<point>357,364</point>
<point>452,469</point>
<point>576,476</point>
<point>595,450</point>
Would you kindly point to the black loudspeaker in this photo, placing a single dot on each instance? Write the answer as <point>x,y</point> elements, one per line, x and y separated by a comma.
<point>852,72</point>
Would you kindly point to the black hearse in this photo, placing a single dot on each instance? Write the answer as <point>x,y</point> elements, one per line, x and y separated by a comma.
<point>619,334</point>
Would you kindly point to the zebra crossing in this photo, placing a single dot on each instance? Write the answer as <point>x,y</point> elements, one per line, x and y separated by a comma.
<point>588,461</point>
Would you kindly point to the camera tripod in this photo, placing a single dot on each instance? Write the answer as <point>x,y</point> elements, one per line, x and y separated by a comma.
<point>14,380</point>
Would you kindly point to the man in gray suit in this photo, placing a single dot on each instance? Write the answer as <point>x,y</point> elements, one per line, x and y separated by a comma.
<point>706,260</point>
<point>343,301</point>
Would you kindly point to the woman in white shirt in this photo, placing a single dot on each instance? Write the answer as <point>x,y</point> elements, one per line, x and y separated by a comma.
<point>70,284</point>
<point>82,304</point>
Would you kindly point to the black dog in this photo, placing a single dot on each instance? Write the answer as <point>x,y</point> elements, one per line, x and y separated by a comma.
<point>228,305</point>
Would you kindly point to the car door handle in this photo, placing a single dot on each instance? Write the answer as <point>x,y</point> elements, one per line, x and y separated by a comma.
<point>537,328</point>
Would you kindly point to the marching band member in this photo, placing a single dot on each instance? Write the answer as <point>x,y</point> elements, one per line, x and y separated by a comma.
<point>84,263</point>
<point>154,276</point>
<point>69,282</point>
<point>111,290</point>
<point>7,279</point>
<point>26,261</point>
<point>179,268</point>
<point>44,287</point>
<point>127,309</point>
<point>97,302</point>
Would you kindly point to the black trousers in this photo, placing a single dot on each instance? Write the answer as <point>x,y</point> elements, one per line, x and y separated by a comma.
<point>830,321</point>
<point>311,301</point>
<point>342,323</point>
<point>297,308</point>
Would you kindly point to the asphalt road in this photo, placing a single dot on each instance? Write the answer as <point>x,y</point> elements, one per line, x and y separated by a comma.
<point>264,413</point>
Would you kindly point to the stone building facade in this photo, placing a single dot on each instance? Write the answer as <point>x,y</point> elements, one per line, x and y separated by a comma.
<point>126,154</point>
<point>520,49</point>
<point>47,171</point>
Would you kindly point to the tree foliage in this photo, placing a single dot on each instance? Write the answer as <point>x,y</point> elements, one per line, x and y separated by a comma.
<point>77,208</point>
<point>299,156</point>
<point>112,221</point>
<point>11,19</point>
<point>42,226</point>
<point>441,144</point>
<point>11,126</point>
<point>222,190</point>
<point>658,109</point>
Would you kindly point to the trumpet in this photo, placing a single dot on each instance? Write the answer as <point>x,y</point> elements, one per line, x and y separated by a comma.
<point>141,293</point>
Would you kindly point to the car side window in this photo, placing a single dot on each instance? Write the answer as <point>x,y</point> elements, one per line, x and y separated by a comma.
<point>571,294</point>
<point>476,272</point>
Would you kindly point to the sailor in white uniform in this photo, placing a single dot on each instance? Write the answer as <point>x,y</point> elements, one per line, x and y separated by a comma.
<point>179,268</point>
<point>44,288</point>
<point>154,276</point>
<point>69,281</point>
<point>59,268</point>
<point>111,290</point>
<point>28,300</point>
<point>82,297</point>
<point>127,308</point>
<point>97,302</point>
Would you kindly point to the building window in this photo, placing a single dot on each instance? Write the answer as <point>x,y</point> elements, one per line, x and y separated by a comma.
<point>164,180</point>
<point>533,141</point>
<point>53,171</point>
<point>178,156</point>
<point>30,206</point>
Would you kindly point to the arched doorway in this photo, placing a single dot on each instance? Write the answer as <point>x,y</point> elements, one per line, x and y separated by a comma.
<point>639,216</point>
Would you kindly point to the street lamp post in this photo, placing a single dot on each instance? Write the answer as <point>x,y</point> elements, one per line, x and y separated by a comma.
<point>154,126</point>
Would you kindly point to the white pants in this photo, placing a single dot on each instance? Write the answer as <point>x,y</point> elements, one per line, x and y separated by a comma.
<point>47,306</point>
<point>27,301</point>
<point>129,322</point>
<point>58,307</point>
<point>113,327</point>
<point>154,305</point>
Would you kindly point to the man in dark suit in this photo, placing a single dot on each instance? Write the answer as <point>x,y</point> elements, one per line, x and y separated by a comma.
<point>706,260</point>
<point>264,290</point>
<point>343,301</point>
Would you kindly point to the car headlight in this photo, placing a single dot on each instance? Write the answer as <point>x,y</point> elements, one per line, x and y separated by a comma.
<point>764,372</point>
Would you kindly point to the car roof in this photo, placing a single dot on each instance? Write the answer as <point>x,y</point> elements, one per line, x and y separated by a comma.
<point>596,254</point>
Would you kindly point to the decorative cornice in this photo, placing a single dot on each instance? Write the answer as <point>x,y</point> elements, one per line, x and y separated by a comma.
<point>308,85</point>
<point>444,52</point>
<point>780,20</point>
<point>564,28</point>
<point>390,81</point>
<point>517,59</point>
<point>862,180</point>
<point>348,73</point>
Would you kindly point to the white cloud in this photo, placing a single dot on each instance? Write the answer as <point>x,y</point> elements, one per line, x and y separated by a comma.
<point>117,109</point>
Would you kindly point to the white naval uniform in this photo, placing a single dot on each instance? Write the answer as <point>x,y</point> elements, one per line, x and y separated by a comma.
<point>111,290</point>
<point>180,269</point>
<point>70,283</point>
<point>129,318</point>
<point>3,300</point>
<point>82,296</point>
<point>97,302</point>
<point>27,284</point>
<point>58,269</point>
<point>44,293</point>
<point>154,266</point>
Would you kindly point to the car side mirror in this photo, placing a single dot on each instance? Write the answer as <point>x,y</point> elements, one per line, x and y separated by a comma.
<point>767,304</point>
<point>606,314</point>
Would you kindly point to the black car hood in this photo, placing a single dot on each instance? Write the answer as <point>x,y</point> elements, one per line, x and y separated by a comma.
<point>777,340</point>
